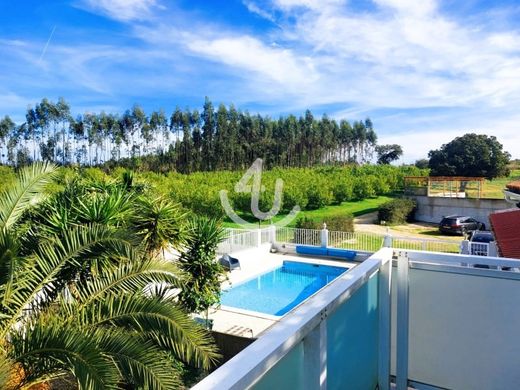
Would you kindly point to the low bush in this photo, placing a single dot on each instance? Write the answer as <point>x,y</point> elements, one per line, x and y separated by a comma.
<point>397,211</point>
<point>343,223</point>
<point>308,223</point>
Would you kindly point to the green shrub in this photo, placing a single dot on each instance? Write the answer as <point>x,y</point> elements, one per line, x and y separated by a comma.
<point>342,191</point>
<point>343,223</point>
<point>308,223</point>
<point>364,187</point>
<point>397,211</point>
<point>318,197</point>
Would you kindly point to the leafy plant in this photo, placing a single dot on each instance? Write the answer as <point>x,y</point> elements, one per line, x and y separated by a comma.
<point>82,299</point>
<point>397,211</point>
<point>198,260</point>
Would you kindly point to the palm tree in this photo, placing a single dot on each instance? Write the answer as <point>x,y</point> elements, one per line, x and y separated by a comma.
<point>198,260</point>
<point>159,223</point>
<point>108,323</point>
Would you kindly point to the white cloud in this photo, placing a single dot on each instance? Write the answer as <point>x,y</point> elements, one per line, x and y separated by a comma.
<point>255,9</point>
<point>123,10</point>
<point>312,4</point>
<point>249,54</point>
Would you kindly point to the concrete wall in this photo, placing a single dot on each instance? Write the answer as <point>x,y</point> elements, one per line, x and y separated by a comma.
<point>230,345</point>
<point>432,209</point>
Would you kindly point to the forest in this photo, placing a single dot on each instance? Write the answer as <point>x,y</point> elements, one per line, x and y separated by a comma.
<point>221,138</point>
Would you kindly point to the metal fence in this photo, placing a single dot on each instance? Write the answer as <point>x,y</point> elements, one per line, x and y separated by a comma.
<point>239,239</point>
<point>298,236</point>
<point>428,245</point>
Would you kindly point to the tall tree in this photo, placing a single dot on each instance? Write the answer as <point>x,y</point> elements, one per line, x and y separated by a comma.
<point>473,155</point>
<point>208,134</point>
<point>388,153</point>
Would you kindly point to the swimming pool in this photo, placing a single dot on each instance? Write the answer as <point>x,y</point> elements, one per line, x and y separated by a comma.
<point>278,291</point>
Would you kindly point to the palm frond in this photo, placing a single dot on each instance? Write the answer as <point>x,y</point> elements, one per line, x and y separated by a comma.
<point>139,361</point>
<point>158,320</point>
<point>159,223</point>
<point>48,348</point>
<point>39,277</point>
<point>129,277</point>
<point>27,191</point>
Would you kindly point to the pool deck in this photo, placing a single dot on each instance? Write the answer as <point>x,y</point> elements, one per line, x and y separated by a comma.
<point>254,262</point>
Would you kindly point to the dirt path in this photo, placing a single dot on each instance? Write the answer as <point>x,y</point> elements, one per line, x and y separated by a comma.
<point>368,223</point>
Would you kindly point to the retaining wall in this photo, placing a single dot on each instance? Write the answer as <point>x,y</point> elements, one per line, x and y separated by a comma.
<point>433,209</point>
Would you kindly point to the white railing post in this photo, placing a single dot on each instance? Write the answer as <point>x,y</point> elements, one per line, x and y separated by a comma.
<point>258,237</point>
<point>492,249</point>
<point>272,234</point>
<point>464,247</point>
<point>387,241</point>
<point>324,236</point>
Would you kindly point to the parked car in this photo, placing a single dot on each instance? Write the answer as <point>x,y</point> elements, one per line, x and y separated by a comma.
<point>458,224</point>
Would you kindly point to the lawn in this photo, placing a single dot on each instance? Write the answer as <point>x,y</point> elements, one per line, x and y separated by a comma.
<point>493,188</point>
<point>355,208</point>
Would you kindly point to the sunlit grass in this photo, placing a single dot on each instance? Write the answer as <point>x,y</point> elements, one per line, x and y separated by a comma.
<point>355,208</point>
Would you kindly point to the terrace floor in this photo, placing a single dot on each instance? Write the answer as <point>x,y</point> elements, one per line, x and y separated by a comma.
<point>254,262</point>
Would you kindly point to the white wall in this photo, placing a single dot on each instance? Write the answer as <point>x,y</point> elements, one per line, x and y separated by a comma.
<point>463,330</point>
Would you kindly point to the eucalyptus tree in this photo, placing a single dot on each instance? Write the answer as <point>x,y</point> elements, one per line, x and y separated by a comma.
<point>196,156</point>
<point>208,133</point>
<point>81,298</point>
<point>32,129</point>
<point>63,117</point>
<point>221,139</point>
<point>7,127</point>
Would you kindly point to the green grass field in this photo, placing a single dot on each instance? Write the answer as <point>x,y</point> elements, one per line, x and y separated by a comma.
<point>493,188</point>
<point>355,208</point>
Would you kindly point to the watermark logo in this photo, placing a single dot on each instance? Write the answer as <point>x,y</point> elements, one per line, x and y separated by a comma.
<point>254,175</point>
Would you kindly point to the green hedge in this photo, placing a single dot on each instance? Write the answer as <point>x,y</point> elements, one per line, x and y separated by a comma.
<point>344,223</point>
<point>397,211</point>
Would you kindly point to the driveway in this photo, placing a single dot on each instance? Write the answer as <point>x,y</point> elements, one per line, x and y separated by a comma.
<point>368,223</point>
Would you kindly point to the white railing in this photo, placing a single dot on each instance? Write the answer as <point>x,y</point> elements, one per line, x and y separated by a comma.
<point>267,235</point>
<point>478,248</point>
<point>238,239</point>
<point>298,236</point>
<point>428,245</point>
<point>369,242</point>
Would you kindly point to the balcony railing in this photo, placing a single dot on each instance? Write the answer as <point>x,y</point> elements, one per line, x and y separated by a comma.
<point>414,317</point>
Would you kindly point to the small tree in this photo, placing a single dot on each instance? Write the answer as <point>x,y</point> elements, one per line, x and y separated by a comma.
<point>473,155</point>
<point>198,260</point>
<point>422,163</point>
<point>388,153</point>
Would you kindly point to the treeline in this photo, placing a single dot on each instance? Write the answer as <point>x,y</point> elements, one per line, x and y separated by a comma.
<point>186,141</point>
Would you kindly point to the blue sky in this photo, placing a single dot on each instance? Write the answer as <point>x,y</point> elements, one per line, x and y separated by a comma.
<point>423,71</point>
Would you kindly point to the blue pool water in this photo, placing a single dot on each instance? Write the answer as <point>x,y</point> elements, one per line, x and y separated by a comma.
<point>278,291</point>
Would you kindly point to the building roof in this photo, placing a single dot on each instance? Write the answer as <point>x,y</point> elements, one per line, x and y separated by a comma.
<point>506,227</point>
